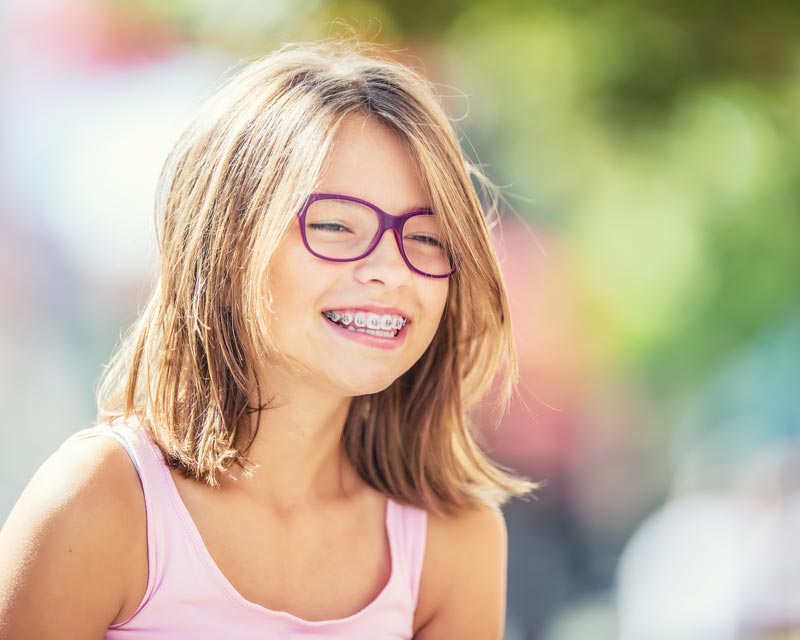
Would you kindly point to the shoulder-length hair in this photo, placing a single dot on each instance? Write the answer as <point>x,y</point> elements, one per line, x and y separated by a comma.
<point>188,368</point>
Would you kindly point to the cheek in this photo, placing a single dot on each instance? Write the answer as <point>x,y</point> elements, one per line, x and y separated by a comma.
<point>297,278</point>
<point>435,300</point>
<point>437,296</point>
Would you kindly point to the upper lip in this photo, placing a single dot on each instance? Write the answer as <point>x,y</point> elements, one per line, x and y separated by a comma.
<point>372,308</point>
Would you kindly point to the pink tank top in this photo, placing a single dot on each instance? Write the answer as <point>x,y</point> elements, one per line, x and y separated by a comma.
<point>188,597</point>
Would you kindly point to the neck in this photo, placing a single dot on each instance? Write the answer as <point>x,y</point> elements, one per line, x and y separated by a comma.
<point>297,451</point>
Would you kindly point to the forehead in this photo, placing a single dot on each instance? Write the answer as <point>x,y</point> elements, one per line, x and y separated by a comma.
<point>369,161</point>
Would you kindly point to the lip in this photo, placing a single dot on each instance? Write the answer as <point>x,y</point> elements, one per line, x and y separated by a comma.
<point>365,338</point>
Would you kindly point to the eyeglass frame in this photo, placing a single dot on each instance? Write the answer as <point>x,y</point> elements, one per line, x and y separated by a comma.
<point>386,221</point>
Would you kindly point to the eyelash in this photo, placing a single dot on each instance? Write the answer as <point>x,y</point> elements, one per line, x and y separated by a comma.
<point>429,240</point>
<point>326,226</point>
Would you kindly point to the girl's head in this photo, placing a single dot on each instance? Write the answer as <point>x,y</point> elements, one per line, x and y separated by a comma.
<point>318,304</point>
<point>236,276</point>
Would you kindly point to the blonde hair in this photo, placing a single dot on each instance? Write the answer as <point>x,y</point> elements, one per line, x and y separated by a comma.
<point>228,193</point>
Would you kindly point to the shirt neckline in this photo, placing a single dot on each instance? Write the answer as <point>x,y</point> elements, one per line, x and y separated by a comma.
<point>225,584</point>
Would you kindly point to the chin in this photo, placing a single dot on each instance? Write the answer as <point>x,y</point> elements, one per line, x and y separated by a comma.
<point>366,386</point>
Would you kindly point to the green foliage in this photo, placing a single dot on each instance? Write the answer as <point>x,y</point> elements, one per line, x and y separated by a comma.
<point>658,141</point>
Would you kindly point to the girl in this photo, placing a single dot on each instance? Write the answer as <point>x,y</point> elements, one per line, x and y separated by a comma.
<point>282,448</point>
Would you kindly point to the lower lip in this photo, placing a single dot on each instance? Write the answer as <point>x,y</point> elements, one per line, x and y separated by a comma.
<point>367,339</point>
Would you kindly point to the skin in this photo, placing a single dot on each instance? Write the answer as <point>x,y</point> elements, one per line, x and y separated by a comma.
<point>318,372</point>
<point>75,544</point>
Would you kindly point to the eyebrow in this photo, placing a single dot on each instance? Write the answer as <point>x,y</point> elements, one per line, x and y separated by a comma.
<point>399,213</point>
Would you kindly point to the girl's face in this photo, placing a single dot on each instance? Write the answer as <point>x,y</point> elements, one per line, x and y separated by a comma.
<point>313,299</point>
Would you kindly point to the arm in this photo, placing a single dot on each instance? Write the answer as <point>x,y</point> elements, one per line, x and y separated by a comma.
<point>472,600</point>
<point>64,548</point>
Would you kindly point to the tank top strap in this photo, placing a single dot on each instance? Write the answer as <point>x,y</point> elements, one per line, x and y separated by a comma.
<point>151,469</point>
<point>409,529</point>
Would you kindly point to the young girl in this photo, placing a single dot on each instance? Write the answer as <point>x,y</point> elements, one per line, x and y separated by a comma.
<point>282,448</point>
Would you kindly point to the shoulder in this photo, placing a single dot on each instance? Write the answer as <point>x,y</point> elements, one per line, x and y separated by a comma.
<point>463,584</point>
<point>65,547</point>
<point>94,475</point>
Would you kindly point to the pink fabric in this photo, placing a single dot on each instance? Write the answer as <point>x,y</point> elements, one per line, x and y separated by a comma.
<point>187,595</point>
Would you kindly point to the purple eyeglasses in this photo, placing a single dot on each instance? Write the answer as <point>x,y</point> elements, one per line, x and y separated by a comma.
<point>343,228</point>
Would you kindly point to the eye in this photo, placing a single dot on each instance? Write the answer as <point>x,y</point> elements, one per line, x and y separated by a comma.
<point>333,227</point>
<point>430,241</point>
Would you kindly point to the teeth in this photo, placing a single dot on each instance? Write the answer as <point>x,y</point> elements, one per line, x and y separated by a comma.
<point>361,320</point>
<point>382,334</point>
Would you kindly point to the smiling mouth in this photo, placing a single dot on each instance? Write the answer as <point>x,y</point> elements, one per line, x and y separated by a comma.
<point>381,326</point>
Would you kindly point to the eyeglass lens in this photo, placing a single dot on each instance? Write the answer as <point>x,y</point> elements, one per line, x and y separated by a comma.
<point>342,230</point>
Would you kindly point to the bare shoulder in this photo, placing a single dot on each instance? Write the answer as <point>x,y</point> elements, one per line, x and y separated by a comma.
<point>65,547</point>
<point>463,584</point>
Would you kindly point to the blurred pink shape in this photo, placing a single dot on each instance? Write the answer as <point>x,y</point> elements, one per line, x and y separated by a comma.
<point>89,33</point>
<point>539,431</point>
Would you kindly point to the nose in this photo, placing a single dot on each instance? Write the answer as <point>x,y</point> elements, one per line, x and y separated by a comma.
<point>384,263</point>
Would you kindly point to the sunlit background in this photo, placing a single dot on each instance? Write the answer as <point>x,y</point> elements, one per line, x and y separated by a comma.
<point>650,159</point>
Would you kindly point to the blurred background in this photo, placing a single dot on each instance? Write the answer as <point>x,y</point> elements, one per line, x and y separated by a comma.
<point>651,245</point>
